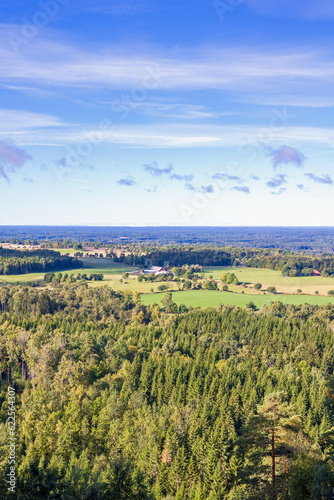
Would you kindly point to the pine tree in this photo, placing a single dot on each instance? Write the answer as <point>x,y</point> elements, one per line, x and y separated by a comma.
<point>269,443</point>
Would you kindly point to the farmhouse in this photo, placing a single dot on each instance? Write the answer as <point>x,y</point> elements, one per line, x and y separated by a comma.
<point>155,270</point>
<point>316,273</point>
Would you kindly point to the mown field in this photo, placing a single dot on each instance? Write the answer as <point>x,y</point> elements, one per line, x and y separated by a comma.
<point>208,298</point>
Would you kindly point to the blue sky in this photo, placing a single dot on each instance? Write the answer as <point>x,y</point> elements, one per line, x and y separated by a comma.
<point>167,113</point>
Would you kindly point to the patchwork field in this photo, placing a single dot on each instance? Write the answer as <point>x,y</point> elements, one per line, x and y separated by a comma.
<point>286,287</point>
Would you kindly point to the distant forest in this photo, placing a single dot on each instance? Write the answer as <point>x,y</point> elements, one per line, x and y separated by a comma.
<point>297,239</point>
<point>115,400</point>
<point>34,261</point>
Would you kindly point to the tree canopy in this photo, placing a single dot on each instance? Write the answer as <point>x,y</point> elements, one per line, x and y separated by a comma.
<point>118,400</point>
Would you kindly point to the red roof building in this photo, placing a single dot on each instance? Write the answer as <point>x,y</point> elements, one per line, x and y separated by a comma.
<point>316,273</point>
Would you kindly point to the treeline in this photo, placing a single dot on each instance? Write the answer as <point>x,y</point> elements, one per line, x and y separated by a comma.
<point>294,265</point>
<point>116,400</point>
<point>61,278</point>
<point>178,256</point>
<point>34,261</point>
<point>288,263</point>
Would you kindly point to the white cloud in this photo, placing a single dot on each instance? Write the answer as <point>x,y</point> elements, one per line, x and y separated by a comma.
<point>30,91</point>
<point>49,62</point>
<point>194,135</point>
<point>177,111</point>
<point>312,100</point>
<point>15,120</point>
<point>176,135</point>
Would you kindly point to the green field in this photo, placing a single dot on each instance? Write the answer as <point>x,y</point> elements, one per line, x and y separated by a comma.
<point>267,277</point>
<point>64,251</point>
<point>206,298</point>
<point>98,265</point>
<point>91,265</point>
<point>22,279</point>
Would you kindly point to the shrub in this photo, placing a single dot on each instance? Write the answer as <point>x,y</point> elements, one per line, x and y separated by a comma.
<point>183,308</point>
<point>210,285</point>
<point>251,305</point>
<point>49,277</point>
<point>229,278</point>
<point>162,288</point>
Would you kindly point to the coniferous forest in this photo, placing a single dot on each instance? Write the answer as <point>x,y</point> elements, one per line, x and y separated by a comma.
<point>34,261</point>
<point>166,250</point>
<point>115,400</point>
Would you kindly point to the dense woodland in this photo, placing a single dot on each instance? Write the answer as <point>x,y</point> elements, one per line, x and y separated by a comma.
<point>116,400</point>
<point>34,261</point>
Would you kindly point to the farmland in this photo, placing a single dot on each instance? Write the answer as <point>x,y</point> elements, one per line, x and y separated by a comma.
<point>237,295</point>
